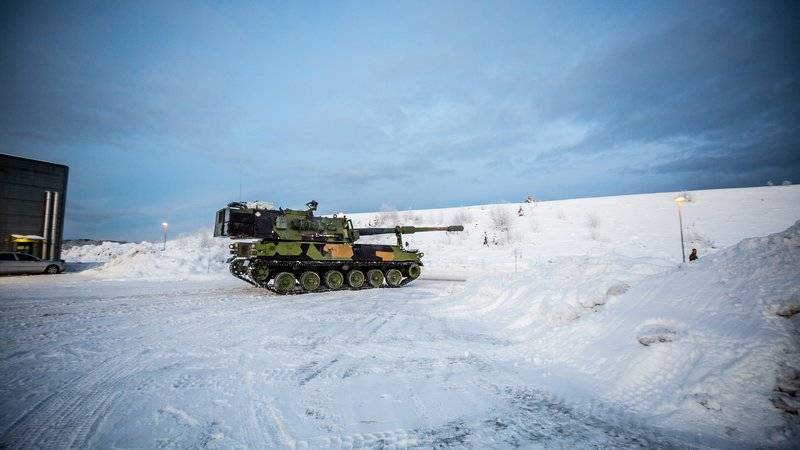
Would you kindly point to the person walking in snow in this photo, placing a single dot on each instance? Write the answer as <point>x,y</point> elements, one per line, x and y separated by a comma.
<point>693,255</point>
<point>485,239</point>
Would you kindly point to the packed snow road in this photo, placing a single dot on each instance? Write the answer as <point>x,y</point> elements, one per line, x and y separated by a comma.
<point>212,362</point>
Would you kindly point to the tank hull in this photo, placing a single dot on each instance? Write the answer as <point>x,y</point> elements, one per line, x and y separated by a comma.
<point>322,251</point>
<point>259,263</point>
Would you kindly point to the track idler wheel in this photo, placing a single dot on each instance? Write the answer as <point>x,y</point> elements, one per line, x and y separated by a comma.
<point>237,268</point>
<point>394,277</point>
<point>333,279</point>
<point>355,279</point>
<point>375,278</point>
<point>284,283</point>
<point>309,281</point>
<point>414,271</point>
<point>259,272</point>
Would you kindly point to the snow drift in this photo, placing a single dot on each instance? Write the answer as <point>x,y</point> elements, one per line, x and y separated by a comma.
<point>198,254</point>
<point>708,347</point>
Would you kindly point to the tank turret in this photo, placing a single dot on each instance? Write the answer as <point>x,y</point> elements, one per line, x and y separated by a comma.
<point>276,248</point>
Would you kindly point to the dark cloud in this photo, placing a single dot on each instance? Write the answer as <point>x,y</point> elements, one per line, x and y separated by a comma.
<point>166,104</point>
<point>778,156</point>
<point>77,212</point>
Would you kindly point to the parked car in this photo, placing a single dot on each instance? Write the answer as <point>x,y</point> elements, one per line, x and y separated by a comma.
<point>12,262</point>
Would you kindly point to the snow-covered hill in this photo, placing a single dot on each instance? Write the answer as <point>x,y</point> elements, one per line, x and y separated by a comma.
<point>633,225</point>
<point>600,310</point>
<point>643,225</point>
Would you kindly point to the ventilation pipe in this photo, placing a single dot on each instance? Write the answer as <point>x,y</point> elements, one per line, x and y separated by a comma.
<point>46,227</point>
<point>53,223</point>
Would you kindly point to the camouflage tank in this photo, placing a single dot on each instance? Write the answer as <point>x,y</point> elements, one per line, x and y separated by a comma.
<point>292,251</point>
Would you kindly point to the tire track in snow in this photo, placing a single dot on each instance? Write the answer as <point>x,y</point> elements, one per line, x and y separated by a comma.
<point>67,417</point>
<point>262,427</point>
<point>72,414</point>
<point>376,323</point>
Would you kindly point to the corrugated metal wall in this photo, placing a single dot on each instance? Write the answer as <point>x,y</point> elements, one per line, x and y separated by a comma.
<point>23,183</point>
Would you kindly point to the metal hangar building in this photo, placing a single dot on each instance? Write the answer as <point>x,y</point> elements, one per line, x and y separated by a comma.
<point>33,197</point>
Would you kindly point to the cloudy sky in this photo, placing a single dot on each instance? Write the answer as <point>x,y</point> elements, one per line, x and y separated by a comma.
<point>161,108</point>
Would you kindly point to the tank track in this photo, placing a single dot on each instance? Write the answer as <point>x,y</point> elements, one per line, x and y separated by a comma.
<point>298,267</point>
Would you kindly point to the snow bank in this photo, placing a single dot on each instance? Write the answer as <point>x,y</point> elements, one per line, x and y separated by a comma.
<point>705,347</point>
<point>101,252</point>
<point>191,255</point>
<point>554,293</point>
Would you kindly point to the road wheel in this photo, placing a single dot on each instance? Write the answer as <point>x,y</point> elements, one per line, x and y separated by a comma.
<point>309,281</point>
<point>334,279</point>
<point>284,282</point>
<point>259,272</point>
<point>394,277</point>
<point>51,269</point>
<point>355,279</point>
<point>414,270</point>
<point>375,278</point>
<point>237,267</point>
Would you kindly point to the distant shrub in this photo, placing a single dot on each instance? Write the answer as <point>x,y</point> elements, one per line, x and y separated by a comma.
<point>786,183</point>
<point>534,224</point>
<point>696,238</point>
<point>462,216</point>
<point>387,216</point>
<point>501,218</point>
<point>411,218</point>
<point>592,221</point>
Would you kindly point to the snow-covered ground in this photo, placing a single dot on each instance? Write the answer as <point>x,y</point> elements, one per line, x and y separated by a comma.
<point>599,338</point>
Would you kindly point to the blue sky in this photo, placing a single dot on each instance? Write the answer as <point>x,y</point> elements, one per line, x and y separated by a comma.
<point>159,108</point>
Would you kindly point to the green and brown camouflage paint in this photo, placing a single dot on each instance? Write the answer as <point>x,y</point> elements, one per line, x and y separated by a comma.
<point>296,242</point>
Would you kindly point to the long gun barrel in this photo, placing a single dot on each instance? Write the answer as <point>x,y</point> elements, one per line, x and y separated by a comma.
<point>406,230</point>
<point>400,231</point>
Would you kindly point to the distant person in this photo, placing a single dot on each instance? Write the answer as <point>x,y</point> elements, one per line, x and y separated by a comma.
<point>485,239</point>
<point>693,255</point>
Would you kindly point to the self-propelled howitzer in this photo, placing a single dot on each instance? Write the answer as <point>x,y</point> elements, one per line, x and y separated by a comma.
<point>292,251</point>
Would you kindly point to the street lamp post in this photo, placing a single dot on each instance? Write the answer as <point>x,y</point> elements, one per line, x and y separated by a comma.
<point>679,200</point>
<point>164,226</point>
